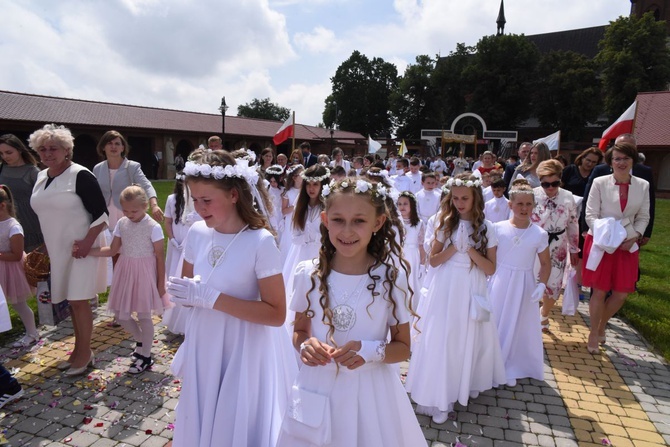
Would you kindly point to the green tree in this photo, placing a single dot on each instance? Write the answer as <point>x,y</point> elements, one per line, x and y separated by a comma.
<point>449,85</point>
<point>264,109</point>
<point>360,95</point>
<point>413,101</point>
<point>567,95</point>
<point>633,58</point>
<point>501,80</point>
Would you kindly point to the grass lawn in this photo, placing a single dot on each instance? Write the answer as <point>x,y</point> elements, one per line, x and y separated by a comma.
<point>648,310</point>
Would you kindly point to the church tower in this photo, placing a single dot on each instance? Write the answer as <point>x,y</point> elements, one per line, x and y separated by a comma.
<point>660,8</point>
<point>501,19</point>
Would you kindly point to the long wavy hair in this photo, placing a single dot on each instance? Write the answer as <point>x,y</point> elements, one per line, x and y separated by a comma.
<point>289,180</point>
<point>382,247</point>
<point>246,207</point>
<point>449,218</point>
<point>178,192</point>
<point>302,204</point>
<point>413,212</point>
<point>375,175</point>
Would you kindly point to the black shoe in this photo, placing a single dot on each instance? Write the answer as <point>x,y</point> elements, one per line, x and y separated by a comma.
<point>11,396</point>
<point>140,364</point>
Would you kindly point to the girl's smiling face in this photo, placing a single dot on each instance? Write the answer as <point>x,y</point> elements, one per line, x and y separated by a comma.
<point>351,219</point>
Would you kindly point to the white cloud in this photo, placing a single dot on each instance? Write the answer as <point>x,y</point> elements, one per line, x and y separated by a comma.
<point>319,40</point>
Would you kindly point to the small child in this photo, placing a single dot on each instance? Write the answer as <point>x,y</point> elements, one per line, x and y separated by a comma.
<point>513,290</point>
<point>400,181</point>
<point>412,249</point>
<point>497,209</point>
<point>139,275</point>
<point>428,199</point>
<point>352,326</point>
<point>275,176</point>
<point>12,276</point>
<point>337,173</point>
<point>292,187</point>
<point>457,352</point>
<point>305,228</point>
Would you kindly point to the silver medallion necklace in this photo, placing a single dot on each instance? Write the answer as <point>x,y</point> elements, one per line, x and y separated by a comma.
<point>216,253</point>
<point>344,313</point>
<point>516,240</point>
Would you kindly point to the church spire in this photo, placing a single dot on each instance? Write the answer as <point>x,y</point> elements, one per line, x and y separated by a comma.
<point>501,19</point>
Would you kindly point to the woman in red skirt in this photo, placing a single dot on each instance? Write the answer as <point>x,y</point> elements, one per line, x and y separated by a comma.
<point>625,198</point>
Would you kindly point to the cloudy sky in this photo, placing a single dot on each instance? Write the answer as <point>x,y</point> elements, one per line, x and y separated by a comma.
<point>186,54</point>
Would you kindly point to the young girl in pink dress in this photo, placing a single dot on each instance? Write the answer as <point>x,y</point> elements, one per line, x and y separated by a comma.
<point>12,277</point>
<point>352,326</point>
<point>139,276</point>
<point>456,354</point>
<point>514,290</point>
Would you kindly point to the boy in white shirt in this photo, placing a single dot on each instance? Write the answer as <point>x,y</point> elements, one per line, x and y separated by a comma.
<point>428,199</point>
<point>401,182</point>
<point>497,209</point>
<point>414,175</point>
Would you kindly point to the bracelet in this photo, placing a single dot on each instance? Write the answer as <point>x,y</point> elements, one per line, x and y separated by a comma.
<point>373,350</point>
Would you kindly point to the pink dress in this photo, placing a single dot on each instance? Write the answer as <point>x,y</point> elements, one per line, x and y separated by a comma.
<point>12,277</point>
<point>134,288</point>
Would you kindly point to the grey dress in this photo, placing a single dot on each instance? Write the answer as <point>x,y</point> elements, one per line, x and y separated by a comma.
<point>20,180</point>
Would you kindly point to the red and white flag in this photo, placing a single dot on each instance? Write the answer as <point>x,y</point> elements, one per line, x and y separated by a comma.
<point>285,131</point>
<point>624,124</point>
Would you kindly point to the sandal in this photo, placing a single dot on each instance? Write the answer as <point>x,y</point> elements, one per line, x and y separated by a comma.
<point>135,354</point>
<point>545,325</point>
<point>140,364</point>
<point>25,341</point>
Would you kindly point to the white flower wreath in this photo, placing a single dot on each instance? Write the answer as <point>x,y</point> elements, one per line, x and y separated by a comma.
<point>460,182</point>
<point>241,169</point>
<point>318,179</point>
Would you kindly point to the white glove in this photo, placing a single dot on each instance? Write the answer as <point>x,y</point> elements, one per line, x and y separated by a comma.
<point>174,243</point>
<point>538,293</point>
<point>191,292</point>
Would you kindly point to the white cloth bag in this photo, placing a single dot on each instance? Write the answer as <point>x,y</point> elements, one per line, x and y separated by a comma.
<point>5,319</point>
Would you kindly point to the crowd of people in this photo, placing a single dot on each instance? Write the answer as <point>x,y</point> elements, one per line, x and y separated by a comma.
<point>300,281</point>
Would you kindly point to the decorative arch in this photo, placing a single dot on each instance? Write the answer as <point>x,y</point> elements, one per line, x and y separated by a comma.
<point>465,115</point>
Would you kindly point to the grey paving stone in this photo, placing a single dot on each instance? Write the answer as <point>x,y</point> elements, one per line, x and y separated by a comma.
<point>563,442</point>
<point>540,429</point>
<point>494,433</point>
<point>559,420</point>
<point>83,439</point>
<point>512,404</point>
<point>493,421</point>
<point>546,441</point>
<point>31,425</point>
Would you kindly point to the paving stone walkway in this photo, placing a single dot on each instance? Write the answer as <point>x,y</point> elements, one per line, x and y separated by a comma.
<point>620,397</point>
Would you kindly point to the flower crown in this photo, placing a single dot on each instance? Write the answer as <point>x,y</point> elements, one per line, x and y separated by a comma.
<point>362,187</point>
<point>275,170</point>
<point>383,173</point>
<point>241,169</point>
<point>515,191</point>
<point>181,177</point>
<point>460,182</point>
<point>318,179</point>
<point>291,169</point>
<point>407,194</point>
<point>445,189</point>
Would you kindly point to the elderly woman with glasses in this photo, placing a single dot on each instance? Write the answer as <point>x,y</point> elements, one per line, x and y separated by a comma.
<point>625,198</point>
<point>555,211</point>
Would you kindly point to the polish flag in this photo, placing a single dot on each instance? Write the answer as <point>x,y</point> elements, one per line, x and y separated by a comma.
<point>622,125</point>
<point>285,131</point>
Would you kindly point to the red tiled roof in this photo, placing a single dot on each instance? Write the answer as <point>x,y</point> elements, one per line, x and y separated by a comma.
<point>49,109</point>
<point>652,119</point>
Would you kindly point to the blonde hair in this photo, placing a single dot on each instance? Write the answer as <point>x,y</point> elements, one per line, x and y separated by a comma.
<point>6,197</point>
<point>548,168</point>
<point>519,187</point>
<point>53,132</point>
<point>132,193</point>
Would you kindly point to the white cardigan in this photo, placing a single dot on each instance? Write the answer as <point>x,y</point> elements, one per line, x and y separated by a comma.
<point>603,201</point>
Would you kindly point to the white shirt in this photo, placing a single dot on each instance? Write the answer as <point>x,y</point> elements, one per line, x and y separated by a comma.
<point>344,163</point>
<point>415,182</point>
<point>427,203</point>
<point>402,183</point>
<point>438,166</point>
<point>497,209</point>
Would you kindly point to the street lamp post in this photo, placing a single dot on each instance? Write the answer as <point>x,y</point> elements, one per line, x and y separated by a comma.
<point>223,109</point>
<point>332,131</point>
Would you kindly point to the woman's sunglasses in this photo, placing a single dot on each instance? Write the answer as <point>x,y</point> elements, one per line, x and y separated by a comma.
<point>555,184</point>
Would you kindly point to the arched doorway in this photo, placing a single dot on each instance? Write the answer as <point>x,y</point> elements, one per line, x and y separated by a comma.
<point>141,151</point>
<point>85,151</point>
<point>184,148</point>
<point>664,174</point>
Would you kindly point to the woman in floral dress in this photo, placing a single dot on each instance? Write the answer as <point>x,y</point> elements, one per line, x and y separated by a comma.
<point>555,211</point>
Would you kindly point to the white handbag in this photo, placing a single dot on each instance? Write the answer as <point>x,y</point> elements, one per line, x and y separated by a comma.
<point>308,417</point>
